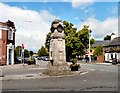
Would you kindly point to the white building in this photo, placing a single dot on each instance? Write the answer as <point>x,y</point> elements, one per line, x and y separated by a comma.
<point>112,49</point>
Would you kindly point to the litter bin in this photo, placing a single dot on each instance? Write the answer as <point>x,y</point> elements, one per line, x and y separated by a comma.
<point>114,61</point>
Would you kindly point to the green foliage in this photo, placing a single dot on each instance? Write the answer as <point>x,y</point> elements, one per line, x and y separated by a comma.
<point>26,53</point>
<point>42,52</point>
<point>31,53</point>
<point>18,51</point>
<point>75,65</point>
<point>98,51</point>
<point>108,37</point>
<point>47,43</point>
<point>75,41</point>
<point>74,60</point>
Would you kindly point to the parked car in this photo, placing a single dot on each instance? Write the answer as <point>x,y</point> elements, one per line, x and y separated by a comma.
<point>45,58</point>
<point>114,61</point>
<point>31,60</point>
<point>26,59</point>
<point>40,58</point>
<point>18,60</point>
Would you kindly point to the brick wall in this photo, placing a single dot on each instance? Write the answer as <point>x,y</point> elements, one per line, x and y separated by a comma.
<point>100,58</point>
<point>4,47</point>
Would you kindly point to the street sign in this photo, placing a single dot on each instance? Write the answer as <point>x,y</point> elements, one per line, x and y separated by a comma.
<point>22,46</point>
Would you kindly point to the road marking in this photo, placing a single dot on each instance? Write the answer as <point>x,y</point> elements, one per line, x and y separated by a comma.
<point>92,69</point>
<point>83,73</point>
<point>36,68</point>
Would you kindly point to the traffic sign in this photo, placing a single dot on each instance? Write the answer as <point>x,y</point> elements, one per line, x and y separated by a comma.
<point>22,46</point>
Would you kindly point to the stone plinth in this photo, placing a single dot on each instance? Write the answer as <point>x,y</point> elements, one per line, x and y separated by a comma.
<point>57,53</point>
<point>57,49</point>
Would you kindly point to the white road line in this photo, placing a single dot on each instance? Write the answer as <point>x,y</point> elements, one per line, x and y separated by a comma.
<point>83,73</point>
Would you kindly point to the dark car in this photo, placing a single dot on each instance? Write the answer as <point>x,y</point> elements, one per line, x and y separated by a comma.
<point>40,58</point>
<point>26,59</point>
<point>18,60</point>
<point>114,61</point>
<point>44,58</point>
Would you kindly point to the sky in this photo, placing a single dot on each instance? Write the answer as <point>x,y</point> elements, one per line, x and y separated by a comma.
<point>33,19</point>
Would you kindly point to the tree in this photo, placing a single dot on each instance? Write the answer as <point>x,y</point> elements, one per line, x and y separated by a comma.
<point>70,39</point>
<point>75,41</point>
<point>98,50</point>
<point>108,37</point>
<point>47,42</point>
<point>18,51</point>
<point>26,53</point>
<point>31,53</point>
<point>42,52</point>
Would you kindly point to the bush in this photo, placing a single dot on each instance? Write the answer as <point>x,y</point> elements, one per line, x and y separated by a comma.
<point>74,61</point>
<point>74,66</point>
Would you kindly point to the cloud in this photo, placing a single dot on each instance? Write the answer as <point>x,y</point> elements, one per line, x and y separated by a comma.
<point>101,28</point>
<point>32,26</point>
<point>114,10</point>
<point>81,3</point>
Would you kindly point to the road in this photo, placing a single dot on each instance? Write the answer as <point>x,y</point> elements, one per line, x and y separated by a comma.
<point>97,78</point>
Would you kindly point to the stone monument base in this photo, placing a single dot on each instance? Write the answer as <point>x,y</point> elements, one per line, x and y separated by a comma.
<point>57,69</point>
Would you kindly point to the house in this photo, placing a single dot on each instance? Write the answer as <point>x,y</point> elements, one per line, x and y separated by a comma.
<point>112,49</point>
<point>7,42</point>
<point>100,58</point>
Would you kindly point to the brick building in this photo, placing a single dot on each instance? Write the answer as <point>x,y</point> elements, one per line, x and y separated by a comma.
<point>7,42</point>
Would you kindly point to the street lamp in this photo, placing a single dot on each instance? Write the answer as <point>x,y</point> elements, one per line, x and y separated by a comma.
<point>89,44</point>
<point>89,47</point>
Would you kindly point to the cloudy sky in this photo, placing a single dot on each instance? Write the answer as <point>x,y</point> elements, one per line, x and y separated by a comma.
<point>33,19</point>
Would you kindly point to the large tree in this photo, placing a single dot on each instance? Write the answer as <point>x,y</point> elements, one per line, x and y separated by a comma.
<point>42,51</point>
<point>75,41</point>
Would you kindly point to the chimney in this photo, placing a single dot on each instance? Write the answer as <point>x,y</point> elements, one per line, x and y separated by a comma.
<point>113,35</point>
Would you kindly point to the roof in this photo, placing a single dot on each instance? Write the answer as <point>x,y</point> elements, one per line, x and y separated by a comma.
<point>114,42</point>
<point>99,43</point>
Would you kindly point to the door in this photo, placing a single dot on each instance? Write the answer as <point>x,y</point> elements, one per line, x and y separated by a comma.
<point>10,56</point>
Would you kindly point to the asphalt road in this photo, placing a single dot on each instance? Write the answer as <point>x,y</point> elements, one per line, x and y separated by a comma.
<point>97,78</point>
<point>25,69</point>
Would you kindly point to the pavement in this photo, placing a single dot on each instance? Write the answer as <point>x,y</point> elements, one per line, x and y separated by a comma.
<point>38,75</point>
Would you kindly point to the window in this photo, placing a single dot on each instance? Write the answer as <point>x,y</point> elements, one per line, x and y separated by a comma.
<point>10,35</point>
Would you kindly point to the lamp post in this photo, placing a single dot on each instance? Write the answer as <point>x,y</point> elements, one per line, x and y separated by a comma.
<point>89,44</point>
<point>22,54</point>
<point>89,47</point>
